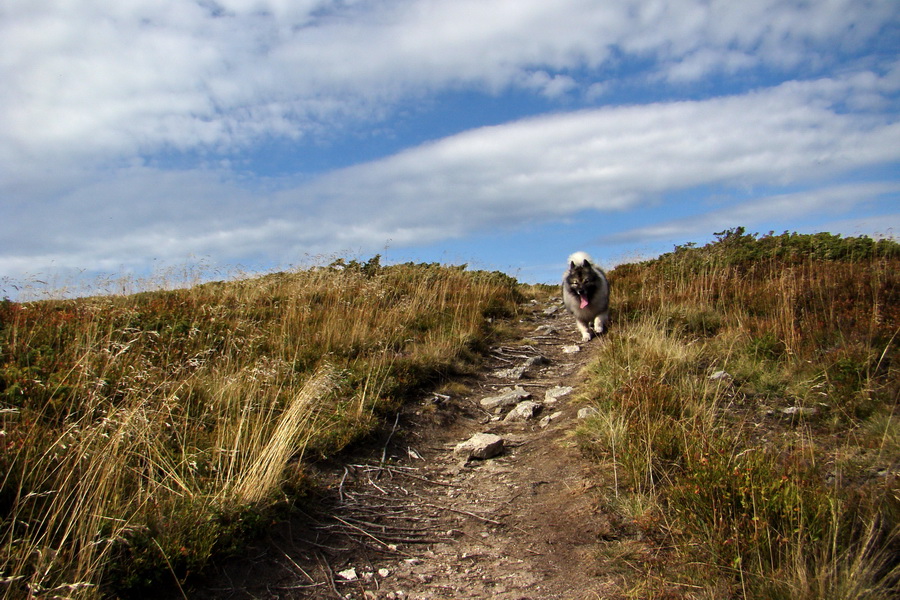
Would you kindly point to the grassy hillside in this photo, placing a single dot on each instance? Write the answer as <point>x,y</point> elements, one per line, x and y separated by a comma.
<point>746,400</point>
<point>143,433</point>
<point>747,419</point>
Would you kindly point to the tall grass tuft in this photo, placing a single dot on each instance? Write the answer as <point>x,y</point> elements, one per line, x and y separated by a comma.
<point>140,434</point>
<point>265,472</point>
<point>777,478</point>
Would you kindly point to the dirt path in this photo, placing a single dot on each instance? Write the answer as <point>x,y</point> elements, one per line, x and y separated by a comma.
<point>414,520</point>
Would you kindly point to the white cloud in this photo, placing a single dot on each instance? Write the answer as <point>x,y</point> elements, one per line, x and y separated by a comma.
<point>551,86</point>
<point>539,169</point>
<point>95,91</point>
<point>609,159</point>
<point>98,78</point>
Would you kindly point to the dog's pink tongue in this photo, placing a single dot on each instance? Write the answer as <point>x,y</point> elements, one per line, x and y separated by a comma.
<point>584,301</point>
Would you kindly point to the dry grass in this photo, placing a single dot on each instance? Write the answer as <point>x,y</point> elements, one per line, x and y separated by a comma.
<point>143,433</point>
<point>753,502</point>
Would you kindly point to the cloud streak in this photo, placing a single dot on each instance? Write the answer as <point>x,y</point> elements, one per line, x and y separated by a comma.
<point>606,160</point>
<point>101,99</point>
<point>612,159</point>
<point>170,74</point>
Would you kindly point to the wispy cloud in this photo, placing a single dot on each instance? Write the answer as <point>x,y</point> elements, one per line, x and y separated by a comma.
<point>609,160</point>
<point>101,101</point>
<point>99,79</point>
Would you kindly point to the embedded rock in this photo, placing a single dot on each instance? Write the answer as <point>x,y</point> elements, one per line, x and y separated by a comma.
<point>536,361</point>
<point>552,395</point>
<point>512,373</point>
<point>545,422</point>
<point>507,397</point>
<point>524,411</point>
<point>587,412</point>
<point>480,445</point>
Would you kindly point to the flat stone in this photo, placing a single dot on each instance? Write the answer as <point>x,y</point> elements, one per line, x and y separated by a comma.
<point>799,410</point>
<point>720,376</point>
<point>506,397</point>
<point>552,395</point>
<point>480,445</point>
<point>545,422</point>
<point>524,411</point>
<point>511,373</point>
<point>587,412</point>
<point>571,349</point>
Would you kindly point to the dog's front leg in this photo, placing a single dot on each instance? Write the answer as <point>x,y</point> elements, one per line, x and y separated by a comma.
<point>601,323</point>
<point>584,329</point>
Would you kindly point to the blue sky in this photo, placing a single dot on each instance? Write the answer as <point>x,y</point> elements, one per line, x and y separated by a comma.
<point>264,134</point>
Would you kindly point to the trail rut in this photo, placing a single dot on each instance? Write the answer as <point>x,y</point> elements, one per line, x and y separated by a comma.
<point>412,520</point>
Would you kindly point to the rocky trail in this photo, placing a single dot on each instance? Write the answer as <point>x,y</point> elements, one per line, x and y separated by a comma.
<point>420,517</point>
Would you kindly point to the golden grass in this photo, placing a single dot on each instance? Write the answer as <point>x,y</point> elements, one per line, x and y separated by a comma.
<point>143,433</point>
<point>752,502</point>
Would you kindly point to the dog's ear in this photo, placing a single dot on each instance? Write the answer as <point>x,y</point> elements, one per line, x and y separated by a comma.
<point>586,264</point>
<point>571,265</point>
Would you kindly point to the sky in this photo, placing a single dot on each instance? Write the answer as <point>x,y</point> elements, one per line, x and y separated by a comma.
<point>260,135</point>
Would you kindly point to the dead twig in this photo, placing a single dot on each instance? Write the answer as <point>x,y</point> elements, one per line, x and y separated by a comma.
<point>398,470</point>
<point>426,480</point>
<point>341,486</point>
<point>503,359</point>
<point>365,533</point>
<point>465,512</point>
<point>323,562</point>
<point>299,568</point>
<point>388,441</point>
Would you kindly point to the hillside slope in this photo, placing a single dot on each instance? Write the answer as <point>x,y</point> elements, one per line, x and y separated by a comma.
<point>143,434</point>
<point>740,440</point>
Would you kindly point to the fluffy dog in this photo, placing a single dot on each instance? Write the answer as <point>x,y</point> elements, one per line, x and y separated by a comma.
<point>585,292</point>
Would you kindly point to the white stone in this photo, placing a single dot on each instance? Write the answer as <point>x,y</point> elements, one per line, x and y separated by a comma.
<point>587,412</point>
<point>799,410</point>
<point>552,395</point>
<point>480,445</point>
<point>511,373</point>
<point>507,397</point>
<point>545,422</point>
<point>720,376</point>
<point>523,411</point>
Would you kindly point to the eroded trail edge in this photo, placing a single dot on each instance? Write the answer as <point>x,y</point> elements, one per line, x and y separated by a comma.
<point>420,518</point>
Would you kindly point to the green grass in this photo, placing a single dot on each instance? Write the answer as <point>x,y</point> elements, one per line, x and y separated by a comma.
<point>142,434</point>
<point>744,500</point>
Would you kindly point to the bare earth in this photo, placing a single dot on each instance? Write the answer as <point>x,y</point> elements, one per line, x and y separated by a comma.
<point>411,519</point>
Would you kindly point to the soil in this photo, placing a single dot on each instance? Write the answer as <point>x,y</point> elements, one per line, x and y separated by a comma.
<point>410,519</point>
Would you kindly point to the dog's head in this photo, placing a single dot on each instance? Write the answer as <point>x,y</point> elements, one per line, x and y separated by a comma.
<point>581,280</point>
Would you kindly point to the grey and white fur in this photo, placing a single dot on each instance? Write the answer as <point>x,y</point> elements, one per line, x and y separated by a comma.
<point>585,292</point>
